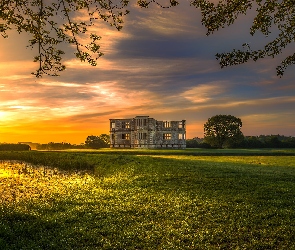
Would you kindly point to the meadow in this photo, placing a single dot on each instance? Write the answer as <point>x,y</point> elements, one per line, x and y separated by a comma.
<point>148,199</point>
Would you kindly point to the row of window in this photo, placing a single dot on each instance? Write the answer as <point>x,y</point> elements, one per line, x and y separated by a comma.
<point>126,136</point>
<point>143,136</point>
<point>143,122</point>
<point>124,125</point>
<point>168,124</point>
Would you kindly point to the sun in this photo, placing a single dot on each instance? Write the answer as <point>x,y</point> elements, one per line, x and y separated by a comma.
<point>2,115</point>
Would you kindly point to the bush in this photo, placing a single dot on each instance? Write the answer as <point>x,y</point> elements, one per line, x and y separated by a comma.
<point>14,147</point>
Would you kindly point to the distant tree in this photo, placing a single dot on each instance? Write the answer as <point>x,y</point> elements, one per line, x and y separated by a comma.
<point>93,141</point>
<point>288,142</point>
<point>105,138</point>
<point>268,141</point>
<point>223,131</point>
<point>14,147</point>
<point>41,146</point>
<point>192,143</point>
<point>58,146</point>
<point>252,142</point>
<point>273,142</point>
<point>204,145</point>
<point>197,143</point>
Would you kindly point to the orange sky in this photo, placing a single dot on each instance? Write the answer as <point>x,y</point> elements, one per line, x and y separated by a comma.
<point>161,64</point>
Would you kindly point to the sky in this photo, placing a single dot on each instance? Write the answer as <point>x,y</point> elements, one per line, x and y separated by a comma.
<point>161,64</point>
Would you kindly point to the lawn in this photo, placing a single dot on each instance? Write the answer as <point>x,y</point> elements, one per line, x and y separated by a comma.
<point>147,199</point>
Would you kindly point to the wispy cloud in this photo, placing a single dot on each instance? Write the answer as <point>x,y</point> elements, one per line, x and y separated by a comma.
<point>160,64</point>
<point>167,21</point>
<point>203,93</point>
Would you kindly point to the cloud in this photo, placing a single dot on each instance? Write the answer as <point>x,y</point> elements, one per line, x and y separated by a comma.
<point>179,20</point>
<point>161,64</point>
<point>16,70</point>
<point>267,124</point>
<point>203,93</point>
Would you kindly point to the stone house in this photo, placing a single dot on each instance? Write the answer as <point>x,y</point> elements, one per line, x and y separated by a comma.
<point>146,132</point>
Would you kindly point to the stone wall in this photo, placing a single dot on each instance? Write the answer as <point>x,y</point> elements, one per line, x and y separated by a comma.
<point>145,132</point>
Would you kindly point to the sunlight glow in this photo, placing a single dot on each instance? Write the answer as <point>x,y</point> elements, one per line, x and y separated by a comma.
<point>4,173</point>
<point>2,115</point>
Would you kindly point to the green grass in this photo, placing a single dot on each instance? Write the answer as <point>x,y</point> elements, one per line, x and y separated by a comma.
<point>188,151</point>
<point>148,199</point>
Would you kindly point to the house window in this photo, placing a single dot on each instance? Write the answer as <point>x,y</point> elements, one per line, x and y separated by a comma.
<point>126,136</point>
<point>180,124</point>
<point>141,122</point>
<point>142,136</point>
<point>125,124</point>
<point>138,122</point>
<point>113,125</point>
<point>181,136</point>
<point>167,124</point>
<point>167,136</point>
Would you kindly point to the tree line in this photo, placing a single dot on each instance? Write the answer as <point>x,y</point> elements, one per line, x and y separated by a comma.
<point>220,131</point>
<point>261,141</point>
<point>91,142</point>
<point>224,131</point>
<point>14,147</point>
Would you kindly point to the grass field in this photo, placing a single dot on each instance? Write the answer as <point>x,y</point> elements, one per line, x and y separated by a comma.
<point>148,199</point>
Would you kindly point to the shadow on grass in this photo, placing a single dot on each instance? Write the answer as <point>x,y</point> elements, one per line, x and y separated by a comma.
<point>142,202</point>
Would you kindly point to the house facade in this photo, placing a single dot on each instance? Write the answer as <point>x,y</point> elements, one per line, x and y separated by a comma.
<point>146,132</point>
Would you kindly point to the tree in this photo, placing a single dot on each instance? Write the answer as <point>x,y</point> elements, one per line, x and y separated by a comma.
<point>271,15</point>
<point>14,147</point>
<point>253,142</point>
<point>58,146</point>
<point>40,19</point>
<point>223,131</point>
<point>191,143</point>
<point>95,142</point>
<point>105,138</point>
<point>51,23</point>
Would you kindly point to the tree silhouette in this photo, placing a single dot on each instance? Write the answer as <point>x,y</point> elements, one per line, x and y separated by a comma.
<point>52,23</point>
<point>223,130</point>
